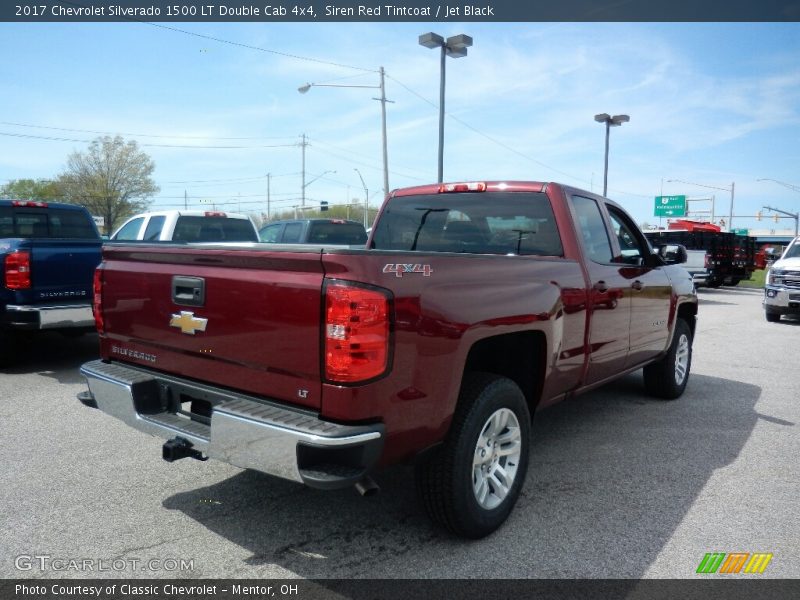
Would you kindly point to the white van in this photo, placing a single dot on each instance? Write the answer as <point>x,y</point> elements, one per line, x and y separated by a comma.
<point>187,226</point>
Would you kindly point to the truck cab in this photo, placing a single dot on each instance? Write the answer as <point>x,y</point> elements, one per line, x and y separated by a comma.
<point>782,288</point>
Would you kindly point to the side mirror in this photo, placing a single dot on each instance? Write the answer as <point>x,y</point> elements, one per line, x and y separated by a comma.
<point>673,254</point>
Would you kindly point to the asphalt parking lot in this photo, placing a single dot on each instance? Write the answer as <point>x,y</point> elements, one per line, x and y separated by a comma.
<point>620,485</point>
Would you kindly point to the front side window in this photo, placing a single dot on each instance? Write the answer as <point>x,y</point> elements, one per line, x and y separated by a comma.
<point>631,251</point>
<point>520,223</point>
<point>592,229</point>
<point>130,231</point>
<point>270,233</point>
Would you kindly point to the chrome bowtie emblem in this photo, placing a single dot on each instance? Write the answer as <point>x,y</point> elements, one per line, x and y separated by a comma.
<point>188,323</point>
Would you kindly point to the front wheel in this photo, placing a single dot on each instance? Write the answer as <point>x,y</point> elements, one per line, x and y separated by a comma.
<point>772,317</point>
<point>470,485</point>
<point>667,378</point>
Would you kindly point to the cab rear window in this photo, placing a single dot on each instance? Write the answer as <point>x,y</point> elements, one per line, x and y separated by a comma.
<point>213,229</point>
<point>520,223</point>
<point>352,234</point>
<point>28,222</point>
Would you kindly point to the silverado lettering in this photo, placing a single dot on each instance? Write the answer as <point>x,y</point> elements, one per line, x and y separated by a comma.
<point>327,363</point>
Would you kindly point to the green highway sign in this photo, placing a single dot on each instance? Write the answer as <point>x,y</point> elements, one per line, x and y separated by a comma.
<point>670,206</point>
<point>741,231</point>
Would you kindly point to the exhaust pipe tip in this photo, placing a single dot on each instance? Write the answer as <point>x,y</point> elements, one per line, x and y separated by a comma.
<point>367,487</point>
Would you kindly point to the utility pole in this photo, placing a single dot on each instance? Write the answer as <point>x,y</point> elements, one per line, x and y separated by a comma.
<point>185,201</point>
<point>303,145</point>
<point>269,218</point>
<point>383,126</point>
<point>730,218</point>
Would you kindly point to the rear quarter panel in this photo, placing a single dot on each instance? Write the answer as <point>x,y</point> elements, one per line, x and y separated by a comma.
<point>438,318</point>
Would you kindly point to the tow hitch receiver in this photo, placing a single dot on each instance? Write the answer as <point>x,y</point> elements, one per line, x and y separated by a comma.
<point>178,448</point>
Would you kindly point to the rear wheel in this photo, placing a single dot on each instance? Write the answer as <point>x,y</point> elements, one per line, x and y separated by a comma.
<point>470,485</point>
<point>667,378</point>
<point>9,347</point>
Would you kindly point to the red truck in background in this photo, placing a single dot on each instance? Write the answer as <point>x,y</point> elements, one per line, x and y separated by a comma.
<point>473,306</point>
<point>730,257</point>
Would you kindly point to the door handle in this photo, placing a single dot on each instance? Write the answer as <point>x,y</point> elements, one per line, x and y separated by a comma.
<point>637,285</point>
<point>188,291</point>
<point>601,286</point>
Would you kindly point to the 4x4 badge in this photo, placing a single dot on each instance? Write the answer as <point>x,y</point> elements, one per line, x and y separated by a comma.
<point>188,323</point>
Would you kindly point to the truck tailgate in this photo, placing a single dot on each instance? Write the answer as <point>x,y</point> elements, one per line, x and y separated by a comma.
<point>256,328</point>
<point>61,270</point>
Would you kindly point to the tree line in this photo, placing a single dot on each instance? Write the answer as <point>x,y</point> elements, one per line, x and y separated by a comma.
<point>112,178</point>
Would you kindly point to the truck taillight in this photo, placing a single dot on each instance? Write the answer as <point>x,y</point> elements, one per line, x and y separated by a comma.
<point>18,270</point>
<point>97,300</point>
<point>357,329</point>
<point>706,261</point>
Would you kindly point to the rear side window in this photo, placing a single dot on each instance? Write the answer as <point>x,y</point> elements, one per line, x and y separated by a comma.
<point>154,227</point>
<point>213,229</point>
<point>291,234</point>
<point>334,232</point>
<point>592,228</point>
<point>476,223</point>
<point>45,223</point>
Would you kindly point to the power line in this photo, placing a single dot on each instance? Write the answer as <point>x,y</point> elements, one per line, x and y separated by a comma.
<point>502,144</point>
<point>144,135</point>
<point>258,48</point>
<point>60,139</point>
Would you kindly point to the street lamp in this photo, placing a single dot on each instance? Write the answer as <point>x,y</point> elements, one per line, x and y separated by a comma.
<point>366,197</point>
<point>303,89</point>
<point>790,186</point>
<point>713,187</point>
<point>610,122</point>
<point>308,183</point>
<point>456,47</point>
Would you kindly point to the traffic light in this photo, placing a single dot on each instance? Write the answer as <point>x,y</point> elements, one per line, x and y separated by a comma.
<point>775,218</point>
<point>323,206</point>
<point>758,216</point>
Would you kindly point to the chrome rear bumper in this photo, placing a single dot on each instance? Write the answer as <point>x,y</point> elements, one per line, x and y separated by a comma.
<point>49,317</point>
<point>244,431</point>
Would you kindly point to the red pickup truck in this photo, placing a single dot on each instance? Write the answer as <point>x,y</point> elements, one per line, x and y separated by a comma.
<point>473,306</point>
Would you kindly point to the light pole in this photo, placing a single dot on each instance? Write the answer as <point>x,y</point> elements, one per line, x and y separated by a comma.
<point>610,122</point>
<point>366,197</point>
<point>455,47</point>
<point>382,87</point>
<point>790,186</point>
<point>306,184</point>
<point>713,187</point>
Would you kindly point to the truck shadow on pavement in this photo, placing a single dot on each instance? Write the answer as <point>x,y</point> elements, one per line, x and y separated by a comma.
<point>53,355</point>
<point>611,476</point>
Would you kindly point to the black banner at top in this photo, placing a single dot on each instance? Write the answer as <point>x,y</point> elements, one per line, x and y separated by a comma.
<point>265,11</point>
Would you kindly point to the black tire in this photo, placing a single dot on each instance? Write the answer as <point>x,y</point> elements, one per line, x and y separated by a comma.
<point>772,316</point>
<point>663,379</point>
<point>9,348</point>
<point>446,480</point>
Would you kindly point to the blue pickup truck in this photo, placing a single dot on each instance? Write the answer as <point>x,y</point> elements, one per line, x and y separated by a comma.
<point>48,255</point>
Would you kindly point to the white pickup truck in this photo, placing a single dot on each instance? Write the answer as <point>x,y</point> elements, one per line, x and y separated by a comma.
<point>187,226</point>
<point>782,289</point>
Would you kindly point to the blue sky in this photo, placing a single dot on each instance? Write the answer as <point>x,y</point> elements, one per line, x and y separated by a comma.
<point>709,103</point>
